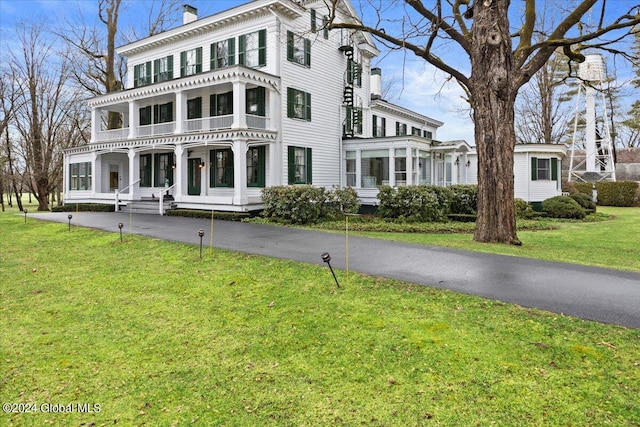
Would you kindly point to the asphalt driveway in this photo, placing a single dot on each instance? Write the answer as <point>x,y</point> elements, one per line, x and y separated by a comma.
<point>608,296</point>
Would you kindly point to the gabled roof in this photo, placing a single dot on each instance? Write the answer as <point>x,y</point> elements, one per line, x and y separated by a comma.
<point>382,105</point>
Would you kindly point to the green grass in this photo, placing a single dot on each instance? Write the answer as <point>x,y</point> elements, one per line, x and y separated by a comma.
<point>158,337</point>
<point>607,239</point>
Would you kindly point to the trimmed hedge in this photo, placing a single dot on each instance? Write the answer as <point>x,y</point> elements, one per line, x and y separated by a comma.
<point>619,193</point>
<point>584,200</point>
<point>414,203</point>
<point>563,207</point>
<point>304,204</point>
<point>84,207</point>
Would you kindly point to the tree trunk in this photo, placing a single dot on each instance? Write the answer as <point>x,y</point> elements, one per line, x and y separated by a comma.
<point>493,95</point>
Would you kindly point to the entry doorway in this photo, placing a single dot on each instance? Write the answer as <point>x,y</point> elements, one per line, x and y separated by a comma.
<point>114,177</point>
<point>195,177</point>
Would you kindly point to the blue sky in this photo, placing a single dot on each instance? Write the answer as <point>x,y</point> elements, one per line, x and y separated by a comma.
<point>415,85</point>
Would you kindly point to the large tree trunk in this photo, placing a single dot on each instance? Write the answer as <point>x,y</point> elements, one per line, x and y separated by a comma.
<point>493,96</point>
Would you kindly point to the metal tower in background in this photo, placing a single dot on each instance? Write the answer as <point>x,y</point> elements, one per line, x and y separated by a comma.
<point>591,154</point>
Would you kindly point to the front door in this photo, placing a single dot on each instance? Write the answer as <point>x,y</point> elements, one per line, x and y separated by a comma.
<point>114,177</point>
<point>195,176</point>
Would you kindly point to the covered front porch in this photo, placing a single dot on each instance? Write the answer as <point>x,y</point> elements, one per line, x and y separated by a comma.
<point>401,161</point>
<point>225,173</point>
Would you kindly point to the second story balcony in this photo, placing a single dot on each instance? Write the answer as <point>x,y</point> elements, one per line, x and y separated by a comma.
<point>234,98</point>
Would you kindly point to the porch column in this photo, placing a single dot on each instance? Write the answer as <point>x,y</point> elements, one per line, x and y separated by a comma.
<point>181,111</point>
<point>409,167</point>
<point>134,175</point>
<point>179,173</point>
<point>95,123</point>
<point>392,167</point>
<point>358,168</point>
<point>96,172</point>
<point>240,172</point>
<point>134,119</point>
<point>455,168</point>
<point>239,105</point>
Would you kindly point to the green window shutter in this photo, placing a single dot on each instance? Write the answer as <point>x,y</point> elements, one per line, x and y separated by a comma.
<point>534,169</point>
<point>156,169</point>
<point>212,169</point>
<point>325,26</point>
<point>242,42</point>
<point>183,62</point>
<point>262,43</point>
<point>384,126</point>
<point>229,171</point>
<point>199,60</point>
<point>290,94</point>
<point>307,52</point>
<point>231,45</point>
<point>261,166</point>
<point>374,128</point>
<point>170,112</point>
<point>397,128</point>
<point>290,46</point>
<point>308,166</point>
<point>212,56</point>
<point>261,101</point>
<point>156,70</point>
<point>212,105</point>
<point>71,177</point>
<point>554,169</point>
<point>172,161</point>
<point>170,66</point>
<point>229,102</point>
<point>308,106</point>
<point>156,114</point>
<point>291,164</point>
<point>136,70</point>
<point>313,20</point>
<point>148,70</point>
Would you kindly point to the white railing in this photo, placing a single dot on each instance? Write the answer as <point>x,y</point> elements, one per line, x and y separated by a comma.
<point>157,129</point>
<point>220,122</point>
<point>256,122</point>
<point>118,192</point>
<point>111,134</point>
<point>164,191</point>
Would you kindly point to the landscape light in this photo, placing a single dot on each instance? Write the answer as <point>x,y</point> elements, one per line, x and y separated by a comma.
<point>25,215</point>
<point>69,216</point>
<point>327,258</point>
<point>201,234</point>
<point>120,225</point>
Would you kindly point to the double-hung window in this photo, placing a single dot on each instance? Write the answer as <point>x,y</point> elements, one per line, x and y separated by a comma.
<point>298,104</point>
<point>163,113</point>
<point>415,131</point>
<point>145,116</point>
<point>191,62</point>
<point>163,169</point>
<point>163,69</point>
<point>351,168</point>
<point>298,49</point>
<point>80,176</point>
<point>299,165</point>
<point>401,129</point>
<point>544,169</point>
<point>142,74</point>
<point>221,104</point>
<point>221,171</point>
<point>252,49</point>
<point>256,101</point>
<point>428,134</point>
<point>256,166</point>
<point>194,108</point>
<point>223,53</point>
<point>379,127</point>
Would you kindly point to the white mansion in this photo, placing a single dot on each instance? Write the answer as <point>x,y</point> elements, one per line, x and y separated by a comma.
<point>258,95</point>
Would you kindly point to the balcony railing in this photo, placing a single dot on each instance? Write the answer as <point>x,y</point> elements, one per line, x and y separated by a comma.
<point>204,124</point>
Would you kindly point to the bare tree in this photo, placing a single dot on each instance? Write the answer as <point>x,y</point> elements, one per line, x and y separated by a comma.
<point>445,32</point>
<point>41,116</point>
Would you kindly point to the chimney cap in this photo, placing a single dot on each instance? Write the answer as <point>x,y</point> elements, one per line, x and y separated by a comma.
<point>190,9</point>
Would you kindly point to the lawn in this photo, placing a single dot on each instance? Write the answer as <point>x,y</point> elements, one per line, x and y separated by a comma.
<point>156,336</point>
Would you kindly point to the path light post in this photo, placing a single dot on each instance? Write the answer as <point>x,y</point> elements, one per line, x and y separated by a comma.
<point>327,258</point>
<point>201,235</point>
<point>25,215</point>
<point>120,225</point>
<point>69,217</point>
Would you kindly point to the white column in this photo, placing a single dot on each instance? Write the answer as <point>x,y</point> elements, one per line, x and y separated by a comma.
<point>358,168</point>
<point>95,123</point>
<point>134,175</point>
<point>96,172</point>
<point>181,111</point>
<point>180,172</point>
<point>134,119</point>
<point>409,167</point>
<point>240,172</point>
<point>239,105</point>
<point>392,167</point>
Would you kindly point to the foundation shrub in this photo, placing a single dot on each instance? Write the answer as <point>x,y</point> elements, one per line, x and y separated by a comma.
<point>84,207</point>
<point>294,204</point>
<point>464,199</point>
<point>414,203</point>
<point>523,209</point>
<point>563,207</point>
<point>344,201</point>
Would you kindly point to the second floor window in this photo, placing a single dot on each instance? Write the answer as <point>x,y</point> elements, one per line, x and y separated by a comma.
<point>401,129</point>
<point>298,104</point>
<point>163,69</point>
<point>379,127</point>
<point>252,49</point>
<point>191,62</point>
<point>256,101</point>
<point>142,74</point>
<point>223,54</point>
<point>221,104</point>
<point>194,108</point>
<point>163,113</point>
<point>298,49</point>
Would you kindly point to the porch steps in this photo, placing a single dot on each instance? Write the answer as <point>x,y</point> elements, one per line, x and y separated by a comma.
<point>151,207</point>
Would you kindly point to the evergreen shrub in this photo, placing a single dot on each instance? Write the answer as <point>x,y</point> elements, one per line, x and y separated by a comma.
<point>585,201</point>
<point>563,207</point>
<point>464,199</point>
<point>414,203</point>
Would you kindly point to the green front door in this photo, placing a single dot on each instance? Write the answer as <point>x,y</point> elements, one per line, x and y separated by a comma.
<point>195,177</point>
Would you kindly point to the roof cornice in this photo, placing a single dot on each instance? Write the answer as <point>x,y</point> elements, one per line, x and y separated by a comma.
<point>383,105</point>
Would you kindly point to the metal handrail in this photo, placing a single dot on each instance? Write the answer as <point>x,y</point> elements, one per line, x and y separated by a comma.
<point>164,191</point>
<point>122,191</point>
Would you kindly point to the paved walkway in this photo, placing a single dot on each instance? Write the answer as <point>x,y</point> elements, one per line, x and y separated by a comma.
<point>608,296</point>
